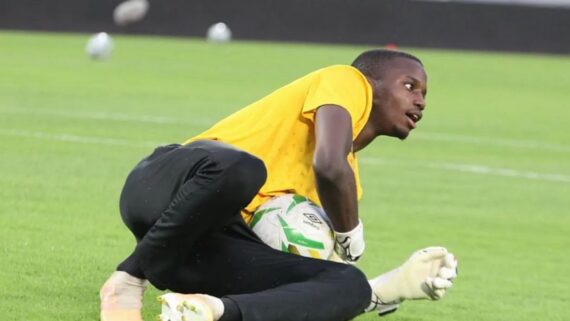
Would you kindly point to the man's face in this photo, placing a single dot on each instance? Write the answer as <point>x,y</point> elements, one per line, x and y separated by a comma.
<point>399,98</point>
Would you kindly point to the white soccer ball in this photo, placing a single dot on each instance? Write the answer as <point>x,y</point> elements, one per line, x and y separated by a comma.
<point>292,223</point>
<point>130,11</point>
<point>99,46</point>
<point>219,33</point>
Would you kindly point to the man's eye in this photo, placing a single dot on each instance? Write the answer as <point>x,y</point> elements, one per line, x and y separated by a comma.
<point>409,86</point>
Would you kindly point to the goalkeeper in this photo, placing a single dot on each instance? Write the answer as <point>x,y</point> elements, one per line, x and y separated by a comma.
<point>183,205</point>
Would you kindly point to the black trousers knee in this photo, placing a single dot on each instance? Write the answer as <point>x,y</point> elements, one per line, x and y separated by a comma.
<point>183,205</point>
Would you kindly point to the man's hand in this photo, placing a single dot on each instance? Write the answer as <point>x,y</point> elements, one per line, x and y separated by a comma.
<point>349,246</point>
<point>439,284</point>
<point>427,274</point>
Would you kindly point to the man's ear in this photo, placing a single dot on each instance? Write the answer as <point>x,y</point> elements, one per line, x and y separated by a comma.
<point>373,82</point>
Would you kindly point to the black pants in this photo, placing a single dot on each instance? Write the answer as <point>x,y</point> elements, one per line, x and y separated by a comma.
<point>183,205</point>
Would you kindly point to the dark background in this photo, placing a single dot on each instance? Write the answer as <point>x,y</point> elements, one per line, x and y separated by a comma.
<point>371,22</point>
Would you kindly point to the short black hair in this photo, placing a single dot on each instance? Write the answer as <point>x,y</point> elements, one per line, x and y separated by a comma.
<point>372,62</point>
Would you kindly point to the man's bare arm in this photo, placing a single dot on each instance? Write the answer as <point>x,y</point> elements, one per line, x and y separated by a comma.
<point>336,184</point>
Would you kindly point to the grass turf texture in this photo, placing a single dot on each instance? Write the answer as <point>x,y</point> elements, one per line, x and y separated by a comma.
<point>487,173</point>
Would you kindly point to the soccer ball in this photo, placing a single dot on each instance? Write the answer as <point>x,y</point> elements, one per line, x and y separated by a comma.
<point>219,33</point>
<point>130,11</point>
<point>99,46</point>
<point>292,223</point>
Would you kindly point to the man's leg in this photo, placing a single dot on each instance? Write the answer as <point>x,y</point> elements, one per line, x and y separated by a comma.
<point>170,200</point>
<point>268,285</point>
<point>222,181</point>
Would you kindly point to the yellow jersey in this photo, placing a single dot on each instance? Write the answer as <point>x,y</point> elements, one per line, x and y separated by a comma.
<point>279,129</point>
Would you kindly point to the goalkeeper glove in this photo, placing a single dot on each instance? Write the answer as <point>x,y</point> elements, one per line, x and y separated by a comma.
<point>350,245</point>
<point>427,274</point>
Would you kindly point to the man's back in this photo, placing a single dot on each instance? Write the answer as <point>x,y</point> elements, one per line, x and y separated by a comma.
<point>279,128</point>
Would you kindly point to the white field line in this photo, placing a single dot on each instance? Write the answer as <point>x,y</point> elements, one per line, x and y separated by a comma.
<point>465,168</point>
<point>105,116</point>
<point>471,168</point>
<point>203,121</point>
<point>76,139</point>
<point>515,143</point>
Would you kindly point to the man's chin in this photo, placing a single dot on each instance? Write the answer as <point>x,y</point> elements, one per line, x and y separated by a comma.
<point>401,134</point>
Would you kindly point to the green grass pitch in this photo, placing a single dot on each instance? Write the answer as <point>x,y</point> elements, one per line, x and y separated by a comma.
<point>487,173</point>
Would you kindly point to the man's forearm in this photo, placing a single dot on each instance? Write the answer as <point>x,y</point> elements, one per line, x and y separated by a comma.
<point>336,187</point>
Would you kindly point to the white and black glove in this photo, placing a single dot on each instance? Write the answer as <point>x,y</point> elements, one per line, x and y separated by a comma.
<point>427,274</point>
<point>349,246</point>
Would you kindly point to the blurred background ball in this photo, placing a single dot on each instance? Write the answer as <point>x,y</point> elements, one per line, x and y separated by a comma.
<point>219,33</point>
<point>130,11</point>
<point>99,46</point>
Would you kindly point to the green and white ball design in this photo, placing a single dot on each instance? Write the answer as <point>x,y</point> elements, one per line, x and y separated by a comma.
<point>292,223</point>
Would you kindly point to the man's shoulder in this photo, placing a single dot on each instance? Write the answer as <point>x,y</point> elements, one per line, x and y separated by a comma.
<point>340,69</point>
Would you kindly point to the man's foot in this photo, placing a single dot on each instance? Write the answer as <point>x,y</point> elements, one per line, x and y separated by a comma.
<point>121,297</point>
<point>185,307</point>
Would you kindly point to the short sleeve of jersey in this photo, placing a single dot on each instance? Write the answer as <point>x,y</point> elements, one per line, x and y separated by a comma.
<point>339,85</point>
